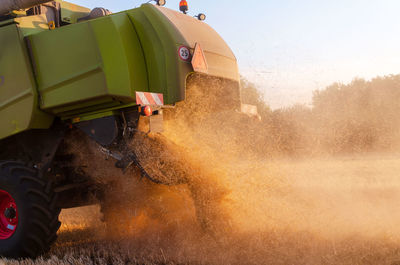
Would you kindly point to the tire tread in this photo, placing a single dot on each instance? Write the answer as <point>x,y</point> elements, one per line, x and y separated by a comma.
<point>43,222</point>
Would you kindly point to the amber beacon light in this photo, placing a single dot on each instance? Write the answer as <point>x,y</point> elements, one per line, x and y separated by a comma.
<point>183,6</point>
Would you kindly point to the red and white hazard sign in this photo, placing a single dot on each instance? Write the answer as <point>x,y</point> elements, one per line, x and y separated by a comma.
<point>199,62</point>
<point>146,99</point>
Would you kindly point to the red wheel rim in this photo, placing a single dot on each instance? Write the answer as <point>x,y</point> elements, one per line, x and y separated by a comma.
<point>8,215</point>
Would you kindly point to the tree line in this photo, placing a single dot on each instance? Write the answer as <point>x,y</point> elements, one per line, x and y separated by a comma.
<point>359,117</point>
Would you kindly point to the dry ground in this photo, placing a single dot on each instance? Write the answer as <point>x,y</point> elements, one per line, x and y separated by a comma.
<point>316,211</point>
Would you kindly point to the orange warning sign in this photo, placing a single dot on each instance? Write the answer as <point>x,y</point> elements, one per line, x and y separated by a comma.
<point>199,62</point>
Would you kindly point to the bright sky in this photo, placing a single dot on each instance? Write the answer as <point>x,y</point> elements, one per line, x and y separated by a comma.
<point>290,48</point>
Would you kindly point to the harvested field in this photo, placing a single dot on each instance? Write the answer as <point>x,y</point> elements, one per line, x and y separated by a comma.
<point>323,211</point>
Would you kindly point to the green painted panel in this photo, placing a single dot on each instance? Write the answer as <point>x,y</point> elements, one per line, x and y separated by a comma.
<point>18,98</point>
<point>88,61</point>
<point>115,63</point>
<point>161,40</point>
<point>133,51</point>
<point>85,87</point>
<point>70,13</point>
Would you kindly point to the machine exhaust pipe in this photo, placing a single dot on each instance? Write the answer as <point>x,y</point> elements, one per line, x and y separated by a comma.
<point>6,6</point>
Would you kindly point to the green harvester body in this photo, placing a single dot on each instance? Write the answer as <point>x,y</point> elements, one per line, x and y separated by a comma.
<point>88,69</point>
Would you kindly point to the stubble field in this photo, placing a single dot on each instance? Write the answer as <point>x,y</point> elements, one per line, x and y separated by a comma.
<point>313,211</point>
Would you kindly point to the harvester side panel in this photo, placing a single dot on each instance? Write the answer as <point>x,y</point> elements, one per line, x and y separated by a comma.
<point>87,64</point>
<point>70,13</point>
<point>161,41</point>
<point>18,98</point>
<point>32,24</point>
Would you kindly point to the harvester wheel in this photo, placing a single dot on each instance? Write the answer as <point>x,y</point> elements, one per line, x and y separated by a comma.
<point>28,215</point>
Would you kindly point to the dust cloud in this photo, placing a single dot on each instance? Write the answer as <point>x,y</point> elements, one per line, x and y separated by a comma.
<point>234,205</point>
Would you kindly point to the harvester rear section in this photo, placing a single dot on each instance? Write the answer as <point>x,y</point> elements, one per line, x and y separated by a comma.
<point>72,75</point>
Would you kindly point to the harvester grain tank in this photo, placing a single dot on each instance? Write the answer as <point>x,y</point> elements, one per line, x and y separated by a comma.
<point>66,69</point>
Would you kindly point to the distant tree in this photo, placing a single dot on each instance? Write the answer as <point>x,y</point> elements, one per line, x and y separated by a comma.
<point>362,116</point>
<point>359,117</point>
<point>251,95</point>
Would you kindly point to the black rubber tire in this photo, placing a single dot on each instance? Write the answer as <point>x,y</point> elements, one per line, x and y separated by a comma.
<point>37,212</point>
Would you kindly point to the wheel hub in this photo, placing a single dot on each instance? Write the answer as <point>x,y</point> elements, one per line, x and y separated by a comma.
<point>8,215</point>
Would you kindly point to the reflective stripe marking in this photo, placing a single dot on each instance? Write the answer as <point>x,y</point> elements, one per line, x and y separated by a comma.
<point>159,99</point>
<point>150,99</point>
<point>145,98</point>
<point>141,99</point>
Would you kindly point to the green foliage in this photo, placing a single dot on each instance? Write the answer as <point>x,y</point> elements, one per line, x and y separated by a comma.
<point>251,95</point>
<point>362,116</point>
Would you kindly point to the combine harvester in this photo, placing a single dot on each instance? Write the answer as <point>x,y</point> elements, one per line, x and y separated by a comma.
<point>65,68</point>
